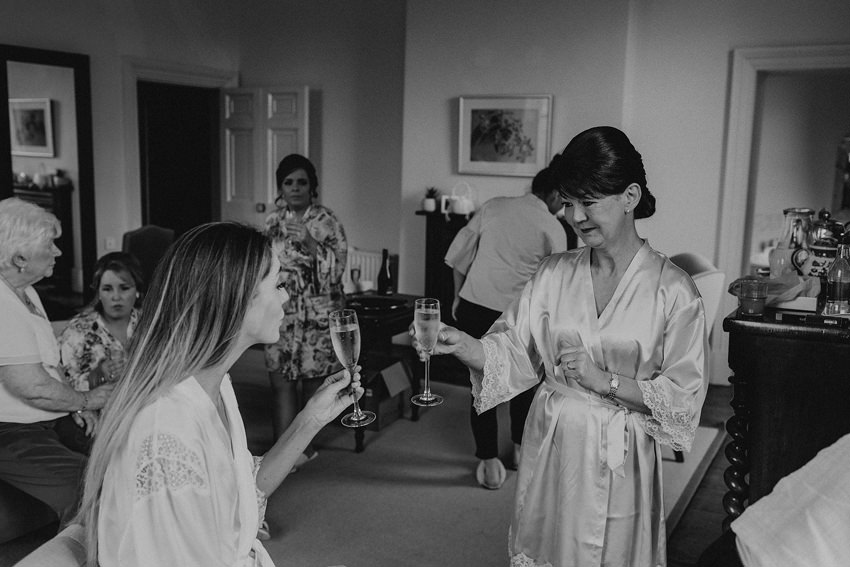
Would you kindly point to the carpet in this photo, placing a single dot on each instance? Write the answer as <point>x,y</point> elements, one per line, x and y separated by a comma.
<point>411,497</point>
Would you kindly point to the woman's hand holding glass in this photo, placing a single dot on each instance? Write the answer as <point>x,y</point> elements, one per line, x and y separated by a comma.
<point>113,367</point>
<point>426,324</point>
<point>334,395</point>
<point>345,336</point>
<point>297,232</point>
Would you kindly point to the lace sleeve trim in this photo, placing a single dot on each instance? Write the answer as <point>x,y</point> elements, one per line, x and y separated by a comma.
<point>262,499</point>
<point>489,388</point>
<point>166,463</point>
<point>668,426</point>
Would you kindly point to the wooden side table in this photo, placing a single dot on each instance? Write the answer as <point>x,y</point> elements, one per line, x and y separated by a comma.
<point>791,387</point>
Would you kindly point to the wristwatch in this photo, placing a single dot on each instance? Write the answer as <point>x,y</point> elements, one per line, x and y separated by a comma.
<point>613,385</point>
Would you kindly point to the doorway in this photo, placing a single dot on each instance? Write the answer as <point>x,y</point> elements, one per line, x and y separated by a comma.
<point>178,154</point>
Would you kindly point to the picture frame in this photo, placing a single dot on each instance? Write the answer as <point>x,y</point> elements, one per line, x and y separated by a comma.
<point>31,127</point>
<point>504,135</point>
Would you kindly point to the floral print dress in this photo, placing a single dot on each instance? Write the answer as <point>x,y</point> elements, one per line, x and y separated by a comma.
<point>314,285</point>
<point>85,343</point>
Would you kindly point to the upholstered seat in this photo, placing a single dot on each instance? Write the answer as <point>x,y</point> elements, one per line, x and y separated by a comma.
<point>709,281</point>
<point>148,244</point>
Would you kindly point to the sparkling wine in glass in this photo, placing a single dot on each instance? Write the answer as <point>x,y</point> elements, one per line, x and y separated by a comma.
<point>345,335</point>
<point>426,323</point>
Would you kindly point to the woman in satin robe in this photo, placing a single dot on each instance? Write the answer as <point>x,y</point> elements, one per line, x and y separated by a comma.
<point>170,480</point>
<point>616,336</point>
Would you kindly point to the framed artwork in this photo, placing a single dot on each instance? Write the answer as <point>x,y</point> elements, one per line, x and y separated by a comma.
<point>504,135</point>
<point>31,125</point>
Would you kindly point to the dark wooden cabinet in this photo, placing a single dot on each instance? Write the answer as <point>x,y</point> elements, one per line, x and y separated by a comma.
<point>791,387</point>
<point>57,200</point>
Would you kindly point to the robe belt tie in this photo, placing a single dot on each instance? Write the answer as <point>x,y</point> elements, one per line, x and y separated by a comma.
<point>616,445</point>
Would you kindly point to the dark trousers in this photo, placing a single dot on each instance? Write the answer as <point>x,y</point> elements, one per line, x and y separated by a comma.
<point>39,459</point>
<point>476,320</point>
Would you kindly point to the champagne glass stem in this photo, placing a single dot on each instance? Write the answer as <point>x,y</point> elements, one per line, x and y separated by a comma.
<point>358,413</point>
<point>427,393</point>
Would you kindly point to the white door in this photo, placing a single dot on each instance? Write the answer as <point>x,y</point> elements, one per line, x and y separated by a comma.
<point>259,127</point>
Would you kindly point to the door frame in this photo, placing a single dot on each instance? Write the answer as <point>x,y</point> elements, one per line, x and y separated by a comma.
<point>736,182</point>
<point>135,69</point>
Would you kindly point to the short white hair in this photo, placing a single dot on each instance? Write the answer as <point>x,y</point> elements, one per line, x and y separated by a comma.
<point>23,227</point>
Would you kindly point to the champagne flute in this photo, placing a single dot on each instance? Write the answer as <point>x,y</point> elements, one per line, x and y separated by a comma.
<point>345,335</point>
<point>426,323</point>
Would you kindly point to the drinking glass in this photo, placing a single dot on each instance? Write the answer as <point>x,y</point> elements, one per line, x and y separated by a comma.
<point>116,355</point>
<point>345,335</point>
<point>426,323</point>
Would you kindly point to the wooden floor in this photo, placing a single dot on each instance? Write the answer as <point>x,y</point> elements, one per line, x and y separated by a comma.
<point>701,523</point>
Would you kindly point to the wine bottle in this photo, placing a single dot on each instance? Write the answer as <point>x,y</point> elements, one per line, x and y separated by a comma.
<point>385,279</point>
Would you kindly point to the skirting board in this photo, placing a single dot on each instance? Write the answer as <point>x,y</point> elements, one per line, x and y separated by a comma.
<point>681,480</point>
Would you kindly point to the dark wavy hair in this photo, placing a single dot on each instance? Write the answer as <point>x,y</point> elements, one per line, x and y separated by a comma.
<point>600,162</point>
<point>117,262</point>
<point>294,162</point>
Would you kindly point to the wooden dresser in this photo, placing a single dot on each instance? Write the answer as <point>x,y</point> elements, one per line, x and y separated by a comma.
<point>791,398</point>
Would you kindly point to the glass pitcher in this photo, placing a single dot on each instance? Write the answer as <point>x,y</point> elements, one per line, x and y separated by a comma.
<point>794,241</point>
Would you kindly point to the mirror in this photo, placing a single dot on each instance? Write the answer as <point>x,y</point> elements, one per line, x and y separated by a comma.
<point>78,65</point>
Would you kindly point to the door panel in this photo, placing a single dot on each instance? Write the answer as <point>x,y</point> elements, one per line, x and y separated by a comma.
<point>259,127</point>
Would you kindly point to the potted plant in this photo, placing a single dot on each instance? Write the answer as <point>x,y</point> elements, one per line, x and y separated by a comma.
<point>429,203</point>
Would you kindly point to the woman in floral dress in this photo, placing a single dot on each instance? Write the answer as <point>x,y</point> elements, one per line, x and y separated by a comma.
<point>311,246</point>
<point>92,345</point>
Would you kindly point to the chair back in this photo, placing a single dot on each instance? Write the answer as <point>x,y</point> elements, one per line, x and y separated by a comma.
<point>709,281</point>
<point>65,549</point>
<point>148,244</point>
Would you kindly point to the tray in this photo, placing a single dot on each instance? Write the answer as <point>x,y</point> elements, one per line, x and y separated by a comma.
<point>376,304</point>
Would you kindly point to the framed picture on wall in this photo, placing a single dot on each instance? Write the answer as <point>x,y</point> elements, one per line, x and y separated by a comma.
<point>504,135</point>
<point>31,125</point>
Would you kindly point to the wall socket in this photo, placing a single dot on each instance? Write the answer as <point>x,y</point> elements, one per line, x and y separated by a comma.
<point>109,243</point>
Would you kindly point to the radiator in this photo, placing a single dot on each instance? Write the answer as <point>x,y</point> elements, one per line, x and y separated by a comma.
<point>367,262</point>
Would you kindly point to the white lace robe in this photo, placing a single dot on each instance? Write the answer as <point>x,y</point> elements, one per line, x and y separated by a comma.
<point>182,491</point>
<point>589,486</point>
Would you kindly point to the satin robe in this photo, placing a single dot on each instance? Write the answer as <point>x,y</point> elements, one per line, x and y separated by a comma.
<point>589,488</point>
<point>182,490</point>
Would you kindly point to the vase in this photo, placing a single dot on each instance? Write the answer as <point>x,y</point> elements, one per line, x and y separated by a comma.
<point>429,205</point>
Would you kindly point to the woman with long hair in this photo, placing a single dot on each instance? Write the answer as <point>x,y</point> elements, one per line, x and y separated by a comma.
<point>310,243</point>
<point>170,480</point>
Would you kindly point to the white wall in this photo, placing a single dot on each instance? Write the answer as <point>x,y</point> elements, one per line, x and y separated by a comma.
<point>572,50</point>
<point>351,55</point>
<point>658,68</point>
<point>678,93</point>
<point>803,117</point>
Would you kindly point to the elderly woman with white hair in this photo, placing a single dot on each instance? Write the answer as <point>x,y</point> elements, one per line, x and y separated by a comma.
<point>35,455</point>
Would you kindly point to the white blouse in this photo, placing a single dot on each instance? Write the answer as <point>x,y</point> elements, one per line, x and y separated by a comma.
<point>182,490</point>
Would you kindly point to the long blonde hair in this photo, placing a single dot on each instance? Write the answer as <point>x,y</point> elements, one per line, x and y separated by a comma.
<point>191,316</point>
